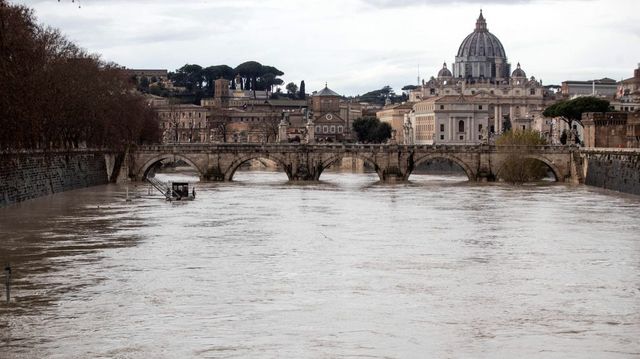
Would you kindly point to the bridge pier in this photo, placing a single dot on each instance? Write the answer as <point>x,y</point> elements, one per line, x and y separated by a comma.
<point>484,172</point>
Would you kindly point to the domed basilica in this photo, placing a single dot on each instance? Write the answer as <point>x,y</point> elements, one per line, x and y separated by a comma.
<point>478,97</point>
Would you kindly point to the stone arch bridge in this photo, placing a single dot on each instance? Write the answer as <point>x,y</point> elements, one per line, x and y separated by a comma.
<point>219,162</point>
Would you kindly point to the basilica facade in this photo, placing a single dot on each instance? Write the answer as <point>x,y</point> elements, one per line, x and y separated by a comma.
<point>480,97</point>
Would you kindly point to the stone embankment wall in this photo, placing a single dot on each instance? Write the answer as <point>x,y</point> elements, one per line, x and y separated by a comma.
<point>614,169</point>
<point>30,174</point>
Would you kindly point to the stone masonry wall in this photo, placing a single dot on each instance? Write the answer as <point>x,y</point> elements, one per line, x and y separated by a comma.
<point>30,174</point>
<point>613,169</point>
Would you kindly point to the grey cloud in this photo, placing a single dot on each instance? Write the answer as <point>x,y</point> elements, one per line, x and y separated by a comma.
<point>411,3</point>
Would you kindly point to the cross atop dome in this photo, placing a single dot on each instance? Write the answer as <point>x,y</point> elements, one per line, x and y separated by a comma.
<point>481,23</point>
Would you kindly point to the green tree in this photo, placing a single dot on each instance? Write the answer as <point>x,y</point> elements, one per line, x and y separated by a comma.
<point>379,96</point>
<point>250,71</point>
<point>303,93</point>
<point>371,130</point>
<point>292,89</point>
<point>518,167</point>
<point>190,76</point>
<point>267,81</point>
<point>572,110</point>
<point>143,86</point>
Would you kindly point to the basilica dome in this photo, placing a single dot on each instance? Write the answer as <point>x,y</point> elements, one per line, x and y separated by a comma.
<point>444,72</point>
<point>481,42</point>
<point>481,56</point>
<point>518,72</point>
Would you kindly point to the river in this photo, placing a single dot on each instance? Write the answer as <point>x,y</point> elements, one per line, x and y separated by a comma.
<point>260,268</point>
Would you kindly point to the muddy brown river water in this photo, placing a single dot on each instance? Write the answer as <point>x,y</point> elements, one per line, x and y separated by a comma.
<point>259,268</point>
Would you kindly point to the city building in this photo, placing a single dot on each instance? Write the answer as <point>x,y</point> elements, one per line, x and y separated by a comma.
<point>611,129</point>
<point>628,94</point>
<point>604,87</point>
<point>330,126</point>
<point>159,74</point>
<point>481,76</point>
<point>451,119</point>
<point>394,115</point>
<point>235,115</point>
<point>183,122</point>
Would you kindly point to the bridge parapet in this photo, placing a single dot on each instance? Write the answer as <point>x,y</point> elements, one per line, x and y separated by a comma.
<point>308,161</point>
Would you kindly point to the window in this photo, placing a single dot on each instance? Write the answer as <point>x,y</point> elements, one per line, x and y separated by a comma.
<point>332,129</point>
<point>461,126</point>
<point>461,138</point>
<point>317,128</point>
<point>479,127</point>
<point>339,129</point>
<point>442,127</point>
<point>532,91</point>
<point>442,137</point>
<point>325,129</point>
<point>432,91</point>
<point>524,127</point>
<point>479,107</point>
<point>473,92</point>
<point>442,107</point>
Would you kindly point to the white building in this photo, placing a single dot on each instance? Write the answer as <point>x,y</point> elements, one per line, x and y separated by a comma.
<point>481,71</point>
<point>454,120</point>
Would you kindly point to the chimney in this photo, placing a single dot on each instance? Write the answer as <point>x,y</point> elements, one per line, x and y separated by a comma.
<point>636,72</point>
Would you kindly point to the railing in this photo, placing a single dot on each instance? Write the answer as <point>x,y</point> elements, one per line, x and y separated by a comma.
<point>160,186</point>
<point>348,147</point>
<point>610,150</point>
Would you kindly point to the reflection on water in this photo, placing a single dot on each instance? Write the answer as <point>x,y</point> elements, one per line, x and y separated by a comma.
<point>347,267</point>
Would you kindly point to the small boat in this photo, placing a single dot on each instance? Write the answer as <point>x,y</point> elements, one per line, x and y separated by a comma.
<point>180,191</point>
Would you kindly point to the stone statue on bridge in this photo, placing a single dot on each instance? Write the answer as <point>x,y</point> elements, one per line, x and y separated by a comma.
<point>310,131</point>
<point>407,128</point>
<point>484,136</point>
<point>282,129</point>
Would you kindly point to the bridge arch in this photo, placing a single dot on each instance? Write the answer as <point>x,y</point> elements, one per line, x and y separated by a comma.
<point>557,173</point>
<point>233,167</point>
<point>146,167</point>
<point>338,157</point>
<point>471,175</point>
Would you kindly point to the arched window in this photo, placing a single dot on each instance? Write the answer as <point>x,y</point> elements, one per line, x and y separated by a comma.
<point>461,126</point>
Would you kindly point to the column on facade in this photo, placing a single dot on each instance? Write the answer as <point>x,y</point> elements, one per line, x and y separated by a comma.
<point>500,118</point>
<point>511,115</point>
<point>496,118</point>
<point>451,129</point>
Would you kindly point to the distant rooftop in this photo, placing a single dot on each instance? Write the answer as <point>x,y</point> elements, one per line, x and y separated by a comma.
<point>326,92</point>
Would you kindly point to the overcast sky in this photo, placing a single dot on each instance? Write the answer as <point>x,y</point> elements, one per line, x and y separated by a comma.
<point>354,45</point>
